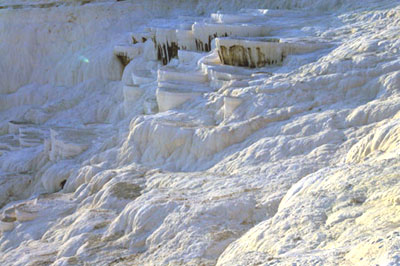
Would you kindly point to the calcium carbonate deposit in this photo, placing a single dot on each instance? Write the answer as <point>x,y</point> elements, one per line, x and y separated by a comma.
<point>211,132</point>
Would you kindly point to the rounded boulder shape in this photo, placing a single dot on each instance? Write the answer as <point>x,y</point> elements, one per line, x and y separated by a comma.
<point>7,224</point>
<point>23,214</point>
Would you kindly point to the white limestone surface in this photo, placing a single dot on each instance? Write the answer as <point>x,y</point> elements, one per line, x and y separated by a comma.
<point>196,162</point>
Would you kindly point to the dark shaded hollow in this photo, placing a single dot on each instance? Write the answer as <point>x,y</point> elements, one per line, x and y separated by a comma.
<point>62,184</point>
<point>123,59</point>
<point>206,47</point>
<point>19,122</point>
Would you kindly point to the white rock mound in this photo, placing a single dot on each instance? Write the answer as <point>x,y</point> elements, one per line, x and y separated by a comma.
<point>199,132</point>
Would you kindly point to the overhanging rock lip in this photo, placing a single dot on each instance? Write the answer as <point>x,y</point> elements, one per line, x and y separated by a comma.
<point>259,52</point>
<point>184,87</point>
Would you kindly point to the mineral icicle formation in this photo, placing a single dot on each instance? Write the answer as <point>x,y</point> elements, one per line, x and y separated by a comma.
<point>199,132</point>
<point>188,79</point>
<point>240,38</point>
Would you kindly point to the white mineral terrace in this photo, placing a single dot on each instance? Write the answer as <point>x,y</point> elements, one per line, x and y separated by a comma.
<point>199,132</point>
<point>262,51</point>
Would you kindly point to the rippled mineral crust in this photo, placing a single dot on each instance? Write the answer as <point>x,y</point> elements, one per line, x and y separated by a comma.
<point>205,132</point>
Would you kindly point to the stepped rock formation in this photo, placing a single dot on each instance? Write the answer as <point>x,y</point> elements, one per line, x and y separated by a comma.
<point>199,132</point>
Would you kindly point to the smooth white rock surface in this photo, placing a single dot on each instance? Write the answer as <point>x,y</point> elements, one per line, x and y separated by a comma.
<point>303,169</point>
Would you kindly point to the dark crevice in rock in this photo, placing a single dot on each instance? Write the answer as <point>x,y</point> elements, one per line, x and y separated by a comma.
<point>166,51</point>
<point>62,184</point>
<point>124,60</point>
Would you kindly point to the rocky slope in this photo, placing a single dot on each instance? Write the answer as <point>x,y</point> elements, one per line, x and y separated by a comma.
<point>199,133</point>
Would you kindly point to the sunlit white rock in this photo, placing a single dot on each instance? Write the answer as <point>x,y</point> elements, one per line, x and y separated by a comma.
<point>128,52</point>
<point>209,62</point>
<point>172,74</point>
<point>140,77</point>
<point>69,142</point>
<point>226,73</point>
<point>300,173</point>
<point>9,212</point>
<point>385,139</point>
<point>231,18</point>
<point>150,106</point>
<point>131,96</point>
<point>186,40</point>
<point>204,33</point>
<point>17,186</point>
<point>169,98</point>
<point>32,136</point>
<point>25,212</point>
<point>132,93</point>
<point>189,57</point>
<point>230,104</point>
<point>275,12</point>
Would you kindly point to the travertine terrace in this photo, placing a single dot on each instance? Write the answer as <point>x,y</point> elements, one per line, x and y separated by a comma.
<point>199,132</point>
